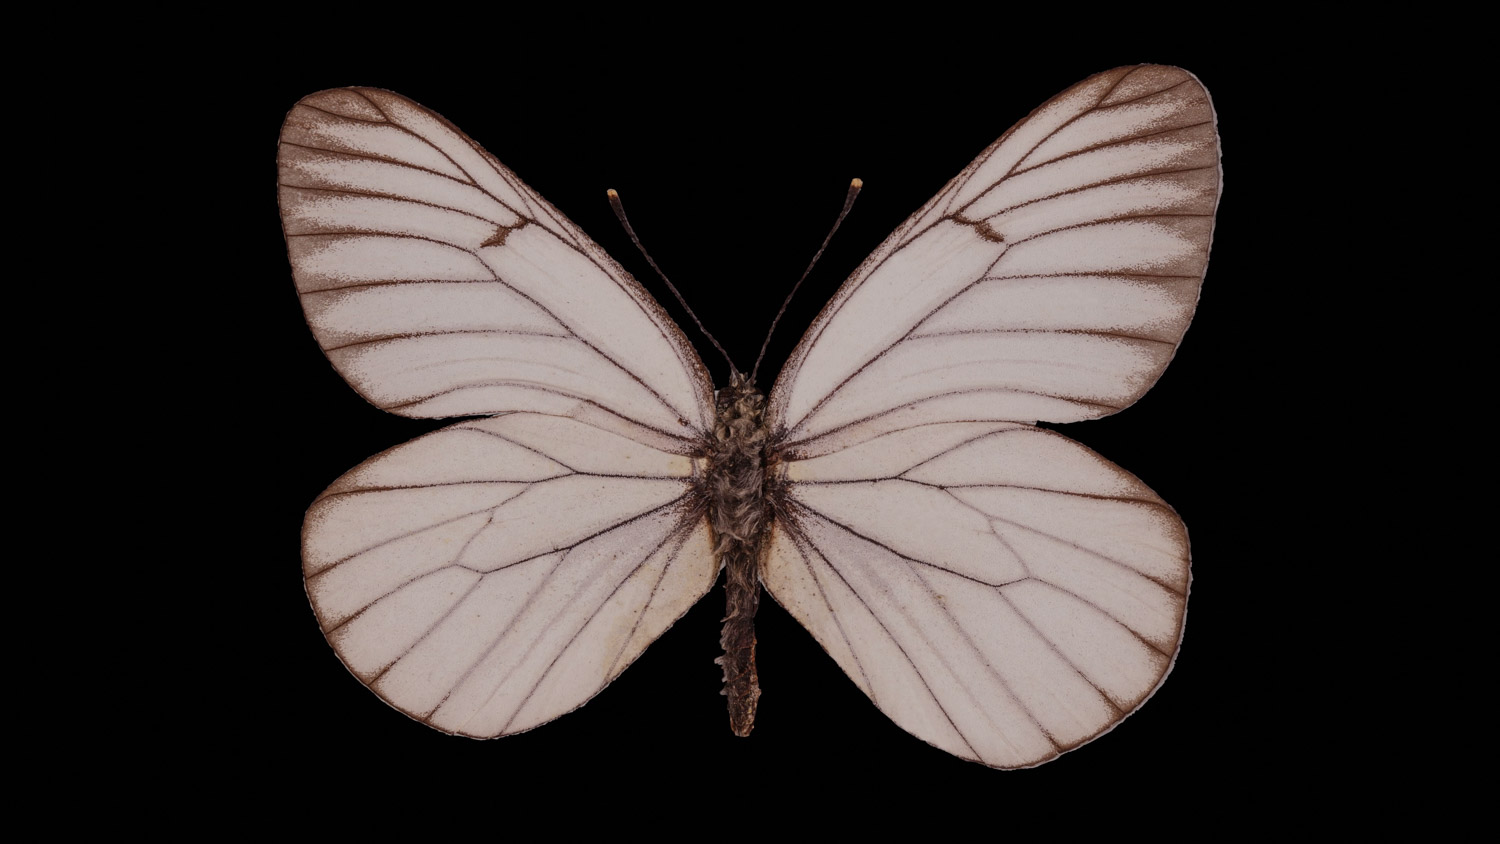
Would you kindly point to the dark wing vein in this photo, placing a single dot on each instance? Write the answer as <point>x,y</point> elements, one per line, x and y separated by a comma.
<point>897,642</point>
<point>1117,180</point>
<point>983,659</point>
<point>542,582</point>
<point>391,197</point>
<point>800,505</point>
<point>1086,550</point>
<point>1052,646</point>
<point>574,637</point>
<point>681,535</point>
<point>896,409</point>
<point>802,543</point>
<point>392,338</point>
<point>398,537</point>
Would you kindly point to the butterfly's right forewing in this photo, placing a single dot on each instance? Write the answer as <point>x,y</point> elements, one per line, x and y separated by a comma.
<point>1050,281</point>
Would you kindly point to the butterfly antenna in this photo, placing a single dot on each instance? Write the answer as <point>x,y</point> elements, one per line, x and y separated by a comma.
<point>854,187</point>
<point>614,202</point>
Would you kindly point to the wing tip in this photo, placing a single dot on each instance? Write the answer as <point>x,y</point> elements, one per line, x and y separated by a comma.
<point>350,103</point>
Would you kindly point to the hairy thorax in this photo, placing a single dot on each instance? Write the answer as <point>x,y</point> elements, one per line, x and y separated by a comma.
<point>737,484</point>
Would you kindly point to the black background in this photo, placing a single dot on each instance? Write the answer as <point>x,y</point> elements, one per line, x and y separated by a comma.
<point>732,161</point>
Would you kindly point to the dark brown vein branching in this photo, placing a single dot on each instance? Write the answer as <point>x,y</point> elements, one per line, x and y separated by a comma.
<point>397,198</point>
<point>899,647</point>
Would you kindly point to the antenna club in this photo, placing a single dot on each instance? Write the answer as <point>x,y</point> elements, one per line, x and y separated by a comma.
<point>613,194</point>
<point>857,183</point>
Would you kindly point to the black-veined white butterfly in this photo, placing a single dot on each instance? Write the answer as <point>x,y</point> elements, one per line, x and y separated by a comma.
<point>946,638</point>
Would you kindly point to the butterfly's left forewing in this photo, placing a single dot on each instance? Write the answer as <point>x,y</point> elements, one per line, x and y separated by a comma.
<point>998,590</point>
<point>499,572</point>
<point>440,285</point>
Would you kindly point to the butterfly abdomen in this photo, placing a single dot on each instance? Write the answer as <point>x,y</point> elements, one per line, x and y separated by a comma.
<point>735,488</point>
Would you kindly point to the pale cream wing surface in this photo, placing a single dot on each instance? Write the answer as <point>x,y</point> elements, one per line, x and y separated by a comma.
<point>998,590</point>
<point>1050,281</point>
<point>440,285</point>
<point>497,573</point>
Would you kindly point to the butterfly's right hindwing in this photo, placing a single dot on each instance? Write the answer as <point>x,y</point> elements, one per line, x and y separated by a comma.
<point>998,590</point>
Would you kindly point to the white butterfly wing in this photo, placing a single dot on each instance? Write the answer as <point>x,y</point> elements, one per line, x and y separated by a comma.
<point>440,285</point>
<point>497,573</point>
<point>999,590</point>
<point>1050,281</point>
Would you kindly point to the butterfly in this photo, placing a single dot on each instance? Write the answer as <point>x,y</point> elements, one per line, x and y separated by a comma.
<point>998,590</point>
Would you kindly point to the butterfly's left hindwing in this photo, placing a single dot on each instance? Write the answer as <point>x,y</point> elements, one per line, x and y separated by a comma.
<point>497,573</point>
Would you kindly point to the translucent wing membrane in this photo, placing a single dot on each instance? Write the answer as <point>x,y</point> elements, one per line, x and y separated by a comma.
<point>998,590</point>
<point>440,285</point>
<point>1051,280</point>
<point>495,574</point>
